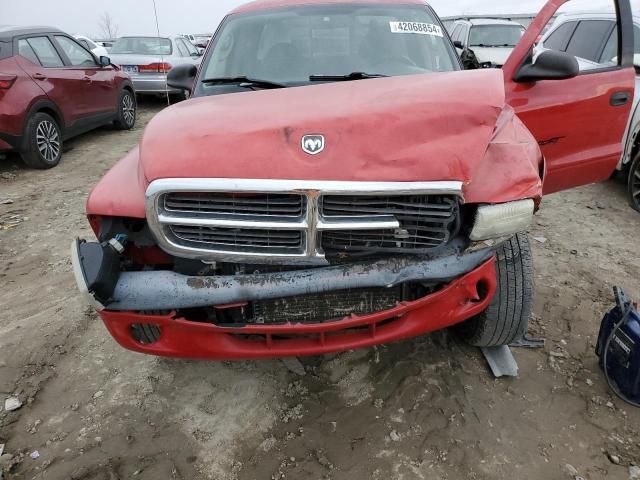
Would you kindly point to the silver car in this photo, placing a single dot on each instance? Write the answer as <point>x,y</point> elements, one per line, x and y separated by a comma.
<point>592,38</point>
<point>491,40</point>
<point>148,60</point>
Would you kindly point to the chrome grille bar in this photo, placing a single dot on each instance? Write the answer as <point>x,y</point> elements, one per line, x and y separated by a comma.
<point>196,218</point>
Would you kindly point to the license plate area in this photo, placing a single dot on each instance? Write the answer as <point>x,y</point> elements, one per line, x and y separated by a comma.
<point>130,68</point>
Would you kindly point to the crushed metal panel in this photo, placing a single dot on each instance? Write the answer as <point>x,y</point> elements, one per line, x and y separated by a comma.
<point>501,361</point>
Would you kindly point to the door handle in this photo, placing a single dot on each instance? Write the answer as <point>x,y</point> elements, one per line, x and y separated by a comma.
<point>39,76</point>
<point>619,99</point>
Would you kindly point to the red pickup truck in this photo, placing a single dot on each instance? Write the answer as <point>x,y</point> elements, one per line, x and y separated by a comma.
<point>337,181</point>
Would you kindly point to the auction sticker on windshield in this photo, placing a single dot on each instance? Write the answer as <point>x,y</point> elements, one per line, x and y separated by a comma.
<point>416,27</point>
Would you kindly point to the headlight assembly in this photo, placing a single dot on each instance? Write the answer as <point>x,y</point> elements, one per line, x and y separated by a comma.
<point>503,220</point>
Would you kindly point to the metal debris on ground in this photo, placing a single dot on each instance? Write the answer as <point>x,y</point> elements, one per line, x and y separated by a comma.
<point>294,365</point>
<point>501,361</point>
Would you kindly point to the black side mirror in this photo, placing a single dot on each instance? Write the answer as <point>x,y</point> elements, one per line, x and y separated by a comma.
<point>458,44</point>
<point>549,65</point>
<point>182,77</point>
<point>104,61</point>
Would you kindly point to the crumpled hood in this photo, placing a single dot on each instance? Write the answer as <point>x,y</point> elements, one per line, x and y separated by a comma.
<point>412,128</point>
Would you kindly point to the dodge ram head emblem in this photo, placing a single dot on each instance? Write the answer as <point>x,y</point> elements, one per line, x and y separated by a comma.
<point>313,144</point>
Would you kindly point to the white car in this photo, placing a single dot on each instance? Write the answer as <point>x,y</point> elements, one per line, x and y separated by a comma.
<point>592,39</point>
<point>92,46</point>
<point>490,39</point>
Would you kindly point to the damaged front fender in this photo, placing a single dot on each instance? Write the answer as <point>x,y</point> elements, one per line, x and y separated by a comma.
<point>512,166</point>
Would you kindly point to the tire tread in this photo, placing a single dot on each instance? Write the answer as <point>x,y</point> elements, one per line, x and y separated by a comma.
<point>507,317</point>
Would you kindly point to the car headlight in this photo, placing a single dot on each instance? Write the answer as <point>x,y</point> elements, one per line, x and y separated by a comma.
<point>503,220</point>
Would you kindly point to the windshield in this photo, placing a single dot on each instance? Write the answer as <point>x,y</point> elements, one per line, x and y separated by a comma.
<point>495,35</point>
<point>142,46</point>
<point>288,46</point>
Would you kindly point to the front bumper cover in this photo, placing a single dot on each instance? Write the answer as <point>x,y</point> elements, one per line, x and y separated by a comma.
<point>470,278</point>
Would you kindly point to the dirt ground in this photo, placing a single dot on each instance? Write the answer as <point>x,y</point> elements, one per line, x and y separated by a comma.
<point>423,409</point>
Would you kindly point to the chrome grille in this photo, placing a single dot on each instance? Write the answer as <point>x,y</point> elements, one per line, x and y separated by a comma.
<point>231,239</point>
<point>298,222</point>
<point>208,203</point>
<point>425,222</point>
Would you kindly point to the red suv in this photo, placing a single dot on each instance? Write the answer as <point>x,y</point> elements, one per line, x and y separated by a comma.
<point>51,89</point>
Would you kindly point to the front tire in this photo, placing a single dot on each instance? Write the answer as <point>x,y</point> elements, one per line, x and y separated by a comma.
<point>43,142</point>
<point>507,318</point>
<point>127,111</point>
<point>634,183</point>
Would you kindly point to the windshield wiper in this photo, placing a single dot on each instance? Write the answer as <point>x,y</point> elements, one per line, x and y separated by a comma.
<point>482,45</point>
<point>345,78</point>
<point>243,81</point>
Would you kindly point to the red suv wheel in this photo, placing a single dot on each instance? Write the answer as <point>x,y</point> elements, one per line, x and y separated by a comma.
<point>43,142</point>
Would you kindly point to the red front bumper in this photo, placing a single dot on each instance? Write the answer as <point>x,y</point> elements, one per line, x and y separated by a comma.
<point>454,304</point>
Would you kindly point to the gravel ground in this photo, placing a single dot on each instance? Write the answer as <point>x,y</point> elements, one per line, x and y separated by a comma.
<point>422,409</point>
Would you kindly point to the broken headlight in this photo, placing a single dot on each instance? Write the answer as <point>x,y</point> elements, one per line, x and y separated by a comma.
<point>503,220</point>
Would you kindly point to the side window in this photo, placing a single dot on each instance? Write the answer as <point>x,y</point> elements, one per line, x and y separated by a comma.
<point>589,39</point>
<point>77,55</point>
<point>182,50</point>
<point>45,52</point>
<point>85,44</point>
<point>610,52</point>
<point>559,39</point>
<point>25,50</point>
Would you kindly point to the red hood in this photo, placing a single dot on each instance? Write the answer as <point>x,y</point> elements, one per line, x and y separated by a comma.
<point>413,128</point>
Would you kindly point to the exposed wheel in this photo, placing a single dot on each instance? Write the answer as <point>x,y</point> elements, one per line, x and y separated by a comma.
<point>127,109</point>
<point>634,183</point>
<point>43,142</point>
<point>507,317</point>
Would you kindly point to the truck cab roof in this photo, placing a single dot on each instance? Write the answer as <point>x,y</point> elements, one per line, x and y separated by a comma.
<point>269,4</point>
